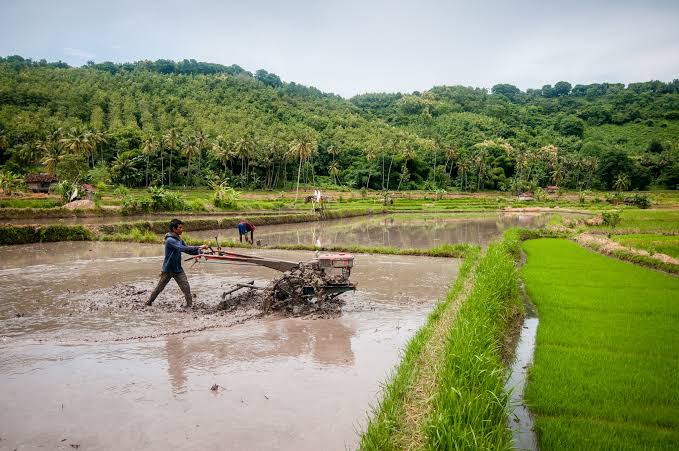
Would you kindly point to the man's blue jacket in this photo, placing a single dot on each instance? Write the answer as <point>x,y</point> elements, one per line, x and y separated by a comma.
<point>174,246</point>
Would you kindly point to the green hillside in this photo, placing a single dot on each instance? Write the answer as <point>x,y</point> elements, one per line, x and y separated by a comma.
<point>186,123</point>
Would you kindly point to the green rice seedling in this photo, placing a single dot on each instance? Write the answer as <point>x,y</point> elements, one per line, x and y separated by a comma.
<point>605,367</point>
<point>664,244</point>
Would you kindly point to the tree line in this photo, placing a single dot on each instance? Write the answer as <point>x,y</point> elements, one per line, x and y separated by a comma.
<point>189,123</point>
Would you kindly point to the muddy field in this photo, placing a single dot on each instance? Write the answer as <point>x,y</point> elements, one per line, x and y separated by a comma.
<point>83,362</point>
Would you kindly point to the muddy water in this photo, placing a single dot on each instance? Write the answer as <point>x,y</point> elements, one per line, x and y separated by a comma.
<point>73,375</point>
<point>400,230</point>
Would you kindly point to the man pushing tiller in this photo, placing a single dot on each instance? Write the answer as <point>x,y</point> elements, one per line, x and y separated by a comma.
<point>172,265</point>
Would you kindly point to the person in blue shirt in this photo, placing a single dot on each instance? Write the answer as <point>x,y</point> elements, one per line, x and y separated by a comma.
<point>243,228</point>
<point>172,265</point>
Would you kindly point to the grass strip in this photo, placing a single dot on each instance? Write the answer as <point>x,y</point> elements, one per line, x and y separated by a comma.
<point>385,429</point>
<point>45,233</point>
<point>605,369</point>
<point>160,226</point>
<point>469,406</point>
<point>462,403</point>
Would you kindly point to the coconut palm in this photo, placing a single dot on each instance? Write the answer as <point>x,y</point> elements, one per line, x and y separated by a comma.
<point>170,141</point>
<point>78,142</point>
<point>191,150</point>
<point>370,156</point>
<point>452,155</point>
<point>333,170</point>
<point>302,148</point>
<point>622,183</point>
<point>149,148</point>
<point>557,174</point>
<point>221,151</point>
<point>244,148</point>
<point>51,157</point>
<point>463,167</point>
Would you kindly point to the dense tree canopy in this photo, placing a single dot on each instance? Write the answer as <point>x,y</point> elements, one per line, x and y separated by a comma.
<point>186,123</point>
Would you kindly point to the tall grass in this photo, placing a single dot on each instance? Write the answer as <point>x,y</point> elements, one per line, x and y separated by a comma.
<point>468,405</point>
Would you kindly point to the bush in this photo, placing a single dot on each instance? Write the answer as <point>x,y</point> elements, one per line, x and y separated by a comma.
<point>35,234</point>
<point>611,218</point>
<point>162,199</point>
<point>121,191</point>
<point>639,200</point>
<point>66,189</point>
<point>226,197</point>
<point>136,205</point>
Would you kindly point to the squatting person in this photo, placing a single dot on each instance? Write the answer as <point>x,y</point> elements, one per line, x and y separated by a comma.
<point>243,228</point>
<point>172,265</point>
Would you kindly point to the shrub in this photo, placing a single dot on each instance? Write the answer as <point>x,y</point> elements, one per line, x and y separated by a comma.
<point>67,188</point>
<point>611,218</point>
<point>639,200</point>
<point>35,234</point>
<point>225,196</point>
<point>121,191</point>
<point>162,199</point>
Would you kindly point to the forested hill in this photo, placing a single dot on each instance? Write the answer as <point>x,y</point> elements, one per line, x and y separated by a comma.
<point>215,122</point>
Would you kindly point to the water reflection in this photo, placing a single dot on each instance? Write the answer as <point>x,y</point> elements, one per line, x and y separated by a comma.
<point>325,342</point>
<point>405,231</point>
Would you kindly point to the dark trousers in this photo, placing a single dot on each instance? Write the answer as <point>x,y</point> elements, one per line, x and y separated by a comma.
<point>180,278</point>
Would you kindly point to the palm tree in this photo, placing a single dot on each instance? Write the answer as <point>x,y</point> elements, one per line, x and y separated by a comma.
<point>203,142</point>
<point>303,148</point>
<point>97,139</point>
<point>370,156</point>
<point>557,174</point>
<point>622,183</point>
<point>463,166</point>
<point>51,157</point>
<point>244,148</point>
<point>451,155</point>
<point>191,149</point>
<point>149,148</point>
<point>79,142</point>
<point>333,170</point>
<point>221,151</point>
<point>170,141</point>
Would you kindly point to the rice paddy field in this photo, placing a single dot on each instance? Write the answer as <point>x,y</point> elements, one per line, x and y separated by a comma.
<point>663,244</point>
<point>606,367</point>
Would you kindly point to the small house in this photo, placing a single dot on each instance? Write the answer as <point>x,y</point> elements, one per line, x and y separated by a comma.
<point>40,183</point>
<point>527,196</point>
<point>552,189</point>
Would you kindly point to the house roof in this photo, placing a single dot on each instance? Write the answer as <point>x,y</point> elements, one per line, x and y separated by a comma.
<point>41,178</point>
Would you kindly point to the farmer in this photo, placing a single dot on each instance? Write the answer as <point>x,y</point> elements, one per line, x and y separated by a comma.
<point>243,228</point>
<point>172,265</point>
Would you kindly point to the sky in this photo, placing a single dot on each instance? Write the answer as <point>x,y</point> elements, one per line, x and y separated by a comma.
<point>351,47</point>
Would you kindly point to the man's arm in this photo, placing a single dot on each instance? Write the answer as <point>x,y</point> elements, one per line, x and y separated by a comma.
<point>191,250</point>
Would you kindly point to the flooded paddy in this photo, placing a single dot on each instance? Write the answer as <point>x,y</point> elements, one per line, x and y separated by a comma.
<point>74,372</point>
<point>395,230</point>
<point>114,219</point>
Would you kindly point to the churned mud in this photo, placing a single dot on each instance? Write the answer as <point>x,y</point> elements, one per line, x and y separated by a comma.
<point>84,362</point>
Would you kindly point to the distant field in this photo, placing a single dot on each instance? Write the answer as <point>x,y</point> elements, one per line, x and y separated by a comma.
<point>605,369</point>
<point>651,220</point>
<point>663,244</point>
